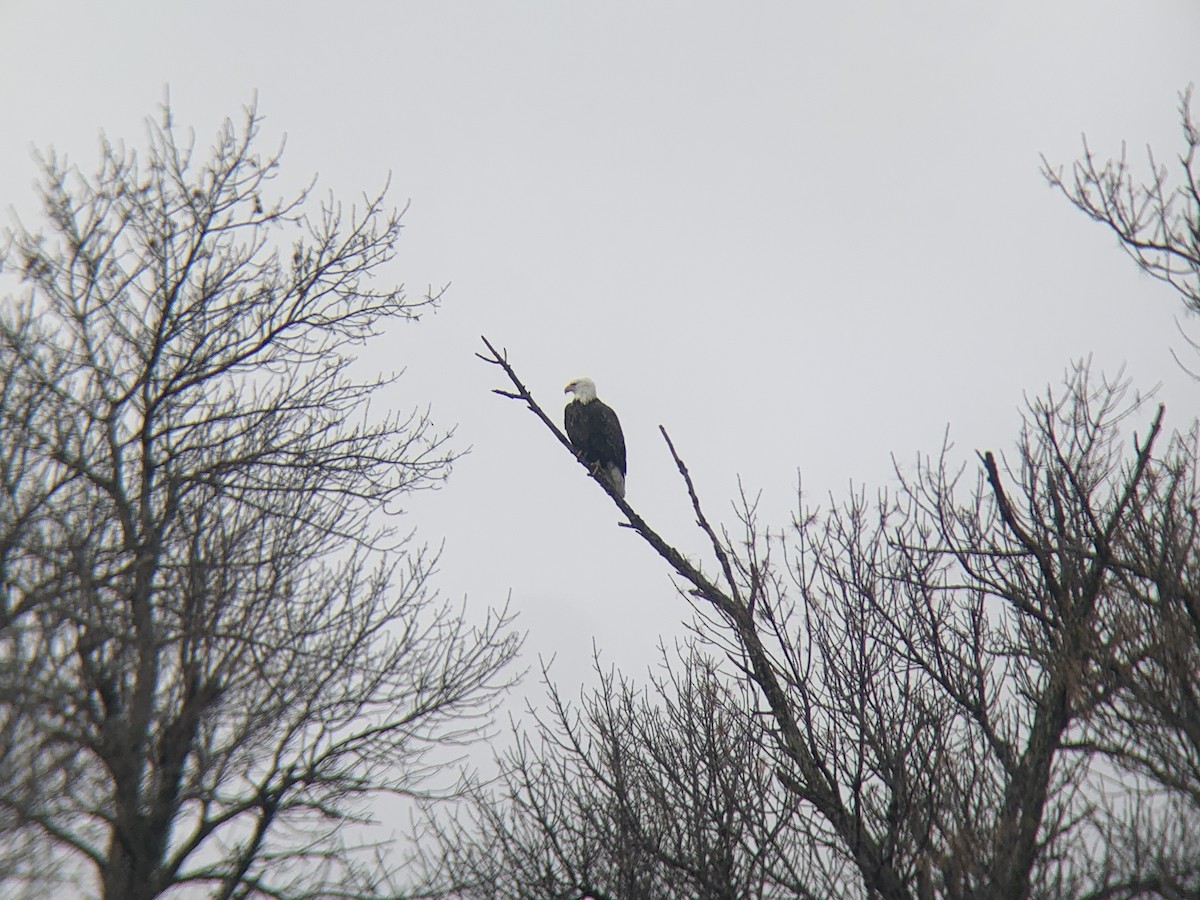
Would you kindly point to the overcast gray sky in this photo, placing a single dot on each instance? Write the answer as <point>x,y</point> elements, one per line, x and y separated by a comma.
<point>805,237</point>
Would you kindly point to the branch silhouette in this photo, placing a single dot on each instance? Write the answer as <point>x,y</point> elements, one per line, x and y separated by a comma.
<point>816,783</point>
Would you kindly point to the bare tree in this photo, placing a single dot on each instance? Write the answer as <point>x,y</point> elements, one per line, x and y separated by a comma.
<point>930,671</point>
<point>657,792</point>
<point>215,652</point>
<point>1157,221</point>
<point>1151,729</point>
<point>25,485</point>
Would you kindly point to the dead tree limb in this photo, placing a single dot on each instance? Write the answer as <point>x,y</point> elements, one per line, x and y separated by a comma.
<point>816,784</point>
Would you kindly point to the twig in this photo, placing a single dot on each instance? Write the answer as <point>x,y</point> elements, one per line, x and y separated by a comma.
<point>1009,516</point>
<point>702,521</point>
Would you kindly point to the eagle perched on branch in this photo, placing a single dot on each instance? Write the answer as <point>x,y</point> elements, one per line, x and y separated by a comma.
<point>595,433</point>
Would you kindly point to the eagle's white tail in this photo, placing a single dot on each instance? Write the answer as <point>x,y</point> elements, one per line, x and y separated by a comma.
<point>617,480</point>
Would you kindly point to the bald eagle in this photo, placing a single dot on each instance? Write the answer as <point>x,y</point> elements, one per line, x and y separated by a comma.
<point>595,433</point>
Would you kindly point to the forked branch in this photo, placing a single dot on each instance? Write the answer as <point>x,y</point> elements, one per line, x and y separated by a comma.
<point>703,586</point>
<point>815,783</point>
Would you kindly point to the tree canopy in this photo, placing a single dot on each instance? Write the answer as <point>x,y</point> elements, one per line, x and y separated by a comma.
<point>217,646</point>
<point>979,683</point>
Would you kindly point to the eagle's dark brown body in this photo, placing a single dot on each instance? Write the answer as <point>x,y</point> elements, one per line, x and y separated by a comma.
<point>596,433</point>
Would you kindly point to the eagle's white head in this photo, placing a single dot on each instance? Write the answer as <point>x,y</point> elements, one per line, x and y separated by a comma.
<point>584,389</point>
